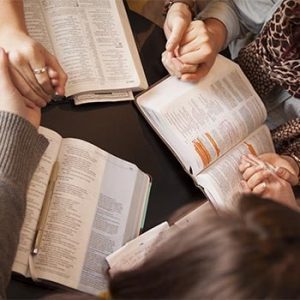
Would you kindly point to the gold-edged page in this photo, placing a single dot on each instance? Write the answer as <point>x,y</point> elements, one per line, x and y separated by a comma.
<point>91,45</point>
<point>202,121</point>
<point>35,197</point>
<point>87,216</point>
<point>221,180</point>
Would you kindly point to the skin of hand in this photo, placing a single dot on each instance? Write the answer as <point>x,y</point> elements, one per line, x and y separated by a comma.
<point>197,51</point>
<point>11,100</point>
<point>177,21</point>
<point>263,181</point>
<point>25,54</point>
<point>286,167</point>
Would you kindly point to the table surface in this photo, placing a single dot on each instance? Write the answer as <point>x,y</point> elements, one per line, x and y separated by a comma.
<point>120,129</point>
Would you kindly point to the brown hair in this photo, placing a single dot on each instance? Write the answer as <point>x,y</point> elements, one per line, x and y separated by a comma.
<point>253,253</point>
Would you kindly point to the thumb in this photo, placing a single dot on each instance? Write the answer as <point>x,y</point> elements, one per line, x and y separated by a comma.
<point>285,174</point>
<point>176,35</point>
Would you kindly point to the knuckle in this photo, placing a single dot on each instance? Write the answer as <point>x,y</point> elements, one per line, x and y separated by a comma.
<point>16,58</point>
<point>44,81</point>
<point>31,49</point>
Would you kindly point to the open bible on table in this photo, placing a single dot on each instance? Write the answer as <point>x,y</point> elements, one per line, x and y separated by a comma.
<point>209,125</point>
<point>82,204</point>
<point>93,42</point>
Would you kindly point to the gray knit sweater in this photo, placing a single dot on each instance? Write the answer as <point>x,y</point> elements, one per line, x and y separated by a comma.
<point>21,148</point>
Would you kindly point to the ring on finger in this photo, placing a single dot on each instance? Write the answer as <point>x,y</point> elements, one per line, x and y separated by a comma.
<point>40,70</point>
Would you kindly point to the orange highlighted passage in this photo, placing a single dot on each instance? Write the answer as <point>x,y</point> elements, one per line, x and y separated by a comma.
<point>213,142</point>
<point>251,149</point>
<point>202,151</point>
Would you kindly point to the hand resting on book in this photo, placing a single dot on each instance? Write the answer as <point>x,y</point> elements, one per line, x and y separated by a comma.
<point>35,72</point>
<point>270,176</point>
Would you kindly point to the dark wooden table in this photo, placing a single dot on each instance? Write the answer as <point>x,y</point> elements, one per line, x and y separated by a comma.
<point>120,129</point>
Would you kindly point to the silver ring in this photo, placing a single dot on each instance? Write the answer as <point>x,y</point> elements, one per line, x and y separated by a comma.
<point>40,70</point>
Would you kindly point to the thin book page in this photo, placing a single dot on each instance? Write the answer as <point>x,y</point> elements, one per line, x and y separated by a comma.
<point>35,198</point>
<point>87,218</point>
<point>221,180</point>
<point>202,121</point>
<point>89,41</point>
<point>133,253</point>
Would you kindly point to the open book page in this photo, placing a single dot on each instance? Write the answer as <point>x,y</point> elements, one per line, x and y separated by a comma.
<point>194,215</point>
<point>35,197</point>
<point>36,24</point>
<point>133,253</point>
<point>221,181</point>
<point>90,43</point>
<point>201,121</point>
<point>87,216</point>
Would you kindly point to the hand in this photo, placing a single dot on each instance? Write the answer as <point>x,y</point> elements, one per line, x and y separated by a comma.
<point>177,21</point>
<point>261,180</point>
<point>11,100</point>
<point>285,167</point>
<point>25,55</point>
<point>197,51</point>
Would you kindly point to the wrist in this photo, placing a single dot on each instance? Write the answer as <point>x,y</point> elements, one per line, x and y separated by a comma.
<point>294,160</point>
<point>186,7</point>
<point>218,31</point>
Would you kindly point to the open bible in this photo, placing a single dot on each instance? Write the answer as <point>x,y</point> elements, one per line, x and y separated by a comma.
<point>208,125</point>
<point>96,203</point>
<point>93,42</point>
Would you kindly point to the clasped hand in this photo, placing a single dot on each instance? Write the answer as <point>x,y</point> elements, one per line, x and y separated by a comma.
<point>271,176</point>
<point>35,72</point>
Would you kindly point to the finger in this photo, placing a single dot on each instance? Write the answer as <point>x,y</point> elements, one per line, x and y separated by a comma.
<point>202,55</point>
<point>251,171</point>
<point>258,178</point>
<point>244,165</point>
<point>184,68</point>
<point>194,45</point>
<point>169,65</point>
<point>260,188</point>
<point>37,60</point>
<point>62,77</point>
<point>245,188</point>
<point>44,81</point>
<point>287,175</point>
<point>254,159</point>
<point>177,32</point>
<point>201,72</point>
<point>166,63</point>
<point>21,65</point>
<point>26,90</point>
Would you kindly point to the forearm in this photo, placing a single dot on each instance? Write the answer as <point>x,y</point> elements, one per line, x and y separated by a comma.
<point>21,148</point>
<point>12,15</point>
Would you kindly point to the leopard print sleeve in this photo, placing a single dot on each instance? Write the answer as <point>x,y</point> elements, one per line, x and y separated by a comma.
<point>286,139</point>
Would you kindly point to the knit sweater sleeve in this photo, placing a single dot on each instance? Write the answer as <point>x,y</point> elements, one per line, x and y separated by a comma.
<point>21,148</point>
